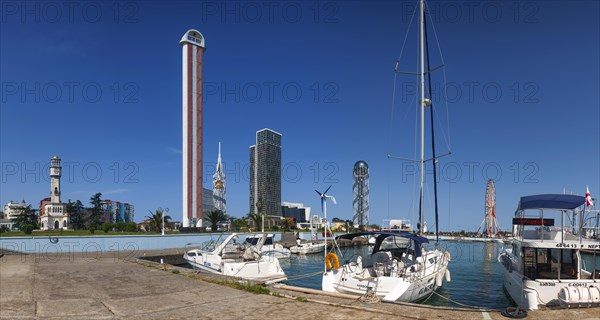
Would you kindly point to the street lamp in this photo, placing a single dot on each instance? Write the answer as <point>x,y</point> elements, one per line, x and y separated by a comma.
<point>163,219</point>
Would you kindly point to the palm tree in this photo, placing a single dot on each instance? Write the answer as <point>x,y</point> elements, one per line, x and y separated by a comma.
<point>155,220</point>
<point>286,224</point>
<point>214,217</point>
<point>256,219</point>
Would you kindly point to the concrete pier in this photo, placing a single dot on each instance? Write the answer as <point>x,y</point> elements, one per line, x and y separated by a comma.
<point>118,286</point>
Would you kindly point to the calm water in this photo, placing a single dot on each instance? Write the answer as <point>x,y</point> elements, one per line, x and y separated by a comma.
<point>475,272</point>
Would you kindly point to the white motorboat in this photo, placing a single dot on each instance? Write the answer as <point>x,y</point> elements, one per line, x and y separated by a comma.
<point>399,269</point>
<point>270,248</point>
<point>308,248</point>
<point>237,260</point>
<point>548,265</point>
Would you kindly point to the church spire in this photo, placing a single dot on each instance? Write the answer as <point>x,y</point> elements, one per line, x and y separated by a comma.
<point>219,191</point>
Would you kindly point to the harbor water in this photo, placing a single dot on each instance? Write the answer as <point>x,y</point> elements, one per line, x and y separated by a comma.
<point>476,274</point>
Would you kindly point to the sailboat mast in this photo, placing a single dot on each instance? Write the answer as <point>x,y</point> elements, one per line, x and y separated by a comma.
<point>422,107</point>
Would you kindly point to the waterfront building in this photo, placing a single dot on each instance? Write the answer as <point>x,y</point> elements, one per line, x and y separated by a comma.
<point>119,211</point>
<point>13,209</point>
<point>360,189</point>
<point>219,186</point>
<point>7,223</point>
<point>265,173</point>
<point>55,214</point>
<point>297,211</point>
<point>192,48</point>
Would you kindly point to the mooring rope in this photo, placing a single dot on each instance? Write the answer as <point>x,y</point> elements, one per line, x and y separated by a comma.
<point>465,305</point>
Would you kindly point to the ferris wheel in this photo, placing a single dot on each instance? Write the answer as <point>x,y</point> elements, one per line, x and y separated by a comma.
<point>489,221</point>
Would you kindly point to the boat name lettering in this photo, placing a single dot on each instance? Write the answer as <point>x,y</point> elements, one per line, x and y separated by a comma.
<point>427,288</point>
<point>206,263</point>
<point>547,284</point>
<point>362,285</point>
<point>566,245</point>
<point>593,246</point>
<point>578,284</point>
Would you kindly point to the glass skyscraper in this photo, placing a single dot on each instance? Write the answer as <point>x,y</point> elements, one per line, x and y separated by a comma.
<point>265,173</point>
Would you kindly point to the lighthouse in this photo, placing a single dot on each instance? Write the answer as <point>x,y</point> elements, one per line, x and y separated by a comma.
<point>192,48</point>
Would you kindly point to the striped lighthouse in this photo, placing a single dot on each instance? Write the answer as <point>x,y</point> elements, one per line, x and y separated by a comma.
<point>192,47</point>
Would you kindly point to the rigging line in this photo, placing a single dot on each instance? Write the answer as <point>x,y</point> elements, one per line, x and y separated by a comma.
<point>437,41</point>
<point>406,36</point>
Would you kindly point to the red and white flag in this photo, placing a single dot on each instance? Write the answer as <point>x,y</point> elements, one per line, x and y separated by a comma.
<point>588,198</point>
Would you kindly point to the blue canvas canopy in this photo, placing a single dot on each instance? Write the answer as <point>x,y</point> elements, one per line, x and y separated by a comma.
<point>380,236</point>
<point>551,201</point>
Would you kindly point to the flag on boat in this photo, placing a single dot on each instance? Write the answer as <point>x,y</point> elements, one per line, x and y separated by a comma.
<point>588,198</point>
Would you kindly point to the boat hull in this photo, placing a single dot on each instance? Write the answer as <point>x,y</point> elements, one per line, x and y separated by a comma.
<point>308,248</point>
<point>352,279</point>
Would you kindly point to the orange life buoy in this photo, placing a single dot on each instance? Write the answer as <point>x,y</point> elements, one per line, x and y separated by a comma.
<point>334,257</point>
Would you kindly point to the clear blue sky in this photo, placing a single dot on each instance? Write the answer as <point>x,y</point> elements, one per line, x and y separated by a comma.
<point>524,100</point>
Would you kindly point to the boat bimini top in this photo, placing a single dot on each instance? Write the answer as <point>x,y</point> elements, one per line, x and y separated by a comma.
<point>551,201</point>
<point>380,236</point>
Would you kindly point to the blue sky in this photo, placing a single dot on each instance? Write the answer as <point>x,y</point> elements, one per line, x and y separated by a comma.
<point>99,84</point>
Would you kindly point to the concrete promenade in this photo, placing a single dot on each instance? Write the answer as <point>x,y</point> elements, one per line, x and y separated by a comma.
<point>109,287</point>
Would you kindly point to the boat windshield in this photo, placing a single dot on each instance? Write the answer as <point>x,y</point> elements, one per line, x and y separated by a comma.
<point>396,246</point>
<point>212,244</point>
<point>254,240</point>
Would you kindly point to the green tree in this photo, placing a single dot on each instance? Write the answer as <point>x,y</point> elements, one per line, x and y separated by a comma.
<point>239,223</point>
<point>286,224</point>
<point>155,220</point>
<point>214,217</point>
<point>27,216</point>
<point>27,228</point>
<point>256,219</point>
<point>95,210</point>
<point>336,219</point>
<point>131,227</point>
<point>107,226</point>
<point>75,211</point>
<point>120,226</point>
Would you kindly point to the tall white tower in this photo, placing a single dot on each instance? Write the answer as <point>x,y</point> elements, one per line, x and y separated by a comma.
<point>55,174</point>
<point>192,48</point>
<point>219,191</point>
<point>55,214</point>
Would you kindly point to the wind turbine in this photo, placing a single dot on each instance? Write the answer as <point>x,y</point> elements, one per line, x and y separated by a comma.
<point>324,198</point>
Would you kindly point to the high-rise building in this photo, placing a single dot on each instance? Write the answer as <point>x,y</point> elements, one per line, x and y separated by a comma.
<point>192,47</point>
<point>119,211</point>
<point>219,191</point>
<point>55,214</point>
<point>265,173</point>
<point>360,189</point>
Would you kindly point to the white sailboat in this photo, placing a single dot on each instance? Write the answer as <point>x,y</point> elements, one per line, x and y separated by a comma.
<point>400,267</point>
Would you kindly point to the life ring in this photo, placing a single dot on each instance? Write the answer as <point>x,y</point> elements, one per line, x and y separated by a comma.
<point>334,257</point>
<point>512,312</point>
